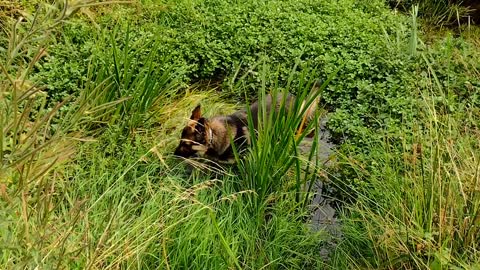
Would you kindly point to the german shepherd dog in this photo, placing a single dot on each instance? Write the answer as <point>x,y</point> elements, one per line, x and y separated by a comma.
<point>212,138</point>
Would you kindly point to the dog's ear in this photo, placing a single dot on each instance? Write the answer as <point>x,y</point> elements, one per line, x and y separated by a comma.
<point>200,127</point>
<point>196,113</point>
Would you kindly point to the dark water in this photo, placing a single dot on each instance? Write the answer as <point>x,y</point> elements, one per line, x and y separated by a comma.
<point>323,213</point>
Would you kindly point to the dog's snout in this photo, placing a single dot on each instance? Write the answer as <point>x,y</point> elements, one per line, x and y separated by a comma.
<point>179,152</point>
<point>184,152</point>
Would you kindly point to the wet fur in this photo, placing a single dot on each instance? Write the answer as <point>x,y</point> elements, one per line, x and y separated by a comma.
<point>211,137</point>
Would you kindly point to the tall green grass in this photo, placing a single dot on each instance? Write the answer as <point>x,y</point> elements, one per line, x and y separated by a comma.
<point>35,138</point>
<point>419,205</point>
<point>117,205</point>
<point>439,13</point>
<point>278,135</point>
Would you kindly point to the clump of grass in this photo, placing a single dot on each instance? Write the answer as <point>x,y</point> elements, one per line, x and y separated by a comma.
<point>439,13</point>
<point>131,86</point>
<point>35,138</point>
<point>278,135</point>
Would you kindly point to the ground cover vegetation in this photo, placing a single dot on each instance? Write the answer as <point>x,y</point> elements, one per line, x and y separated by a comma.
<point>93,96</point>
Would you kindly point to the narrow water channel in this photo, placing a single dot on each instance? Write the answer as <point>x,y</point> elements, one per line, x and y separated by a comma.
<point>323,213</point>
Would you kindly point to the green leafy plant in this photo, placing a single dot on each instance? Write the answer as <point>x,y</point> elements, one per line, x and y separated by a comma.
<point>210,40</point>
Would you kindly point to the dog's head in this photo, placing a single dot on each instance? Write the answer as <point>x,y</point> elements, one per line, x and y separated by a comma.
<point>193,140</point>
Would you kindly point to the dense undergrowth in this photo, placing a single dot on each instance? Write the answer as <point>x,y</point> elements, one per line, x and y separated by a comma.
<point>93,98</point>
<point>443,13</point>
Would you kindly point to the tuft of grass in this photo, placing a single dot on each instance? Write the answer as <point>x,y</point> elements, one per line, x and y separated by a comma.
<point>132,87</point>
<point>278,135</point>
<point>35,138</point>
<point>439,13</point>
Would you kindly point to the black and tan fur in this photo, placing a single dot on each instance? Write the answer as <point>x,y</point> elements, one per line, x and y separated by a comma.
<point>211,138</point>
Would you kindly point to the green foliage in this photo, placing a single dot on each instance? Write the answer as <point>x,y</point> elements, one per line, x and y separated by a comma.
<point>114,204</point>
<point>63,69</point>
<point>211,40</point>
<point>214,40</point>
<point>218,36</point>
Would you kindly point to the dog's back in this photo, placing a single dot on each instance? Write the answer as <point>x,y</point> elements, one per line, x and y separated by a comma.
<point>287,101</point>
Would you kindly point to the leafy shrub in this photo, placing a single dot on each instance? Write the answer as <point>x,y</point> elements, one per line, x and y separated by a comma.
<point>63,70</point>
<point>211,40</point>
<point>220,41</point>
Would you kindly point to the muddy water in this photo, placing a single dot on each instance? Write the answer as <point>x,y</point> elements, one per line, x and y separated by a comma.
<point>323,214</point>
